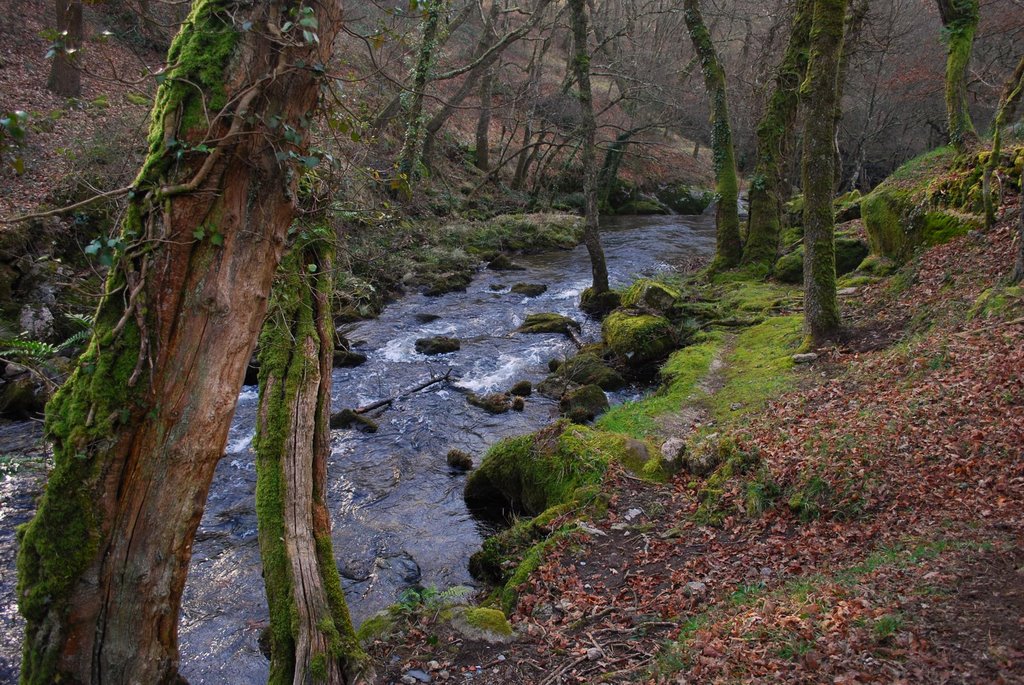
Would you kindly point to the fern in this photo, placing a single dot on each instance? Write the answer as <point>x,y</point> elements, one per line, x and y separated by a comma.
<point>25,349</point>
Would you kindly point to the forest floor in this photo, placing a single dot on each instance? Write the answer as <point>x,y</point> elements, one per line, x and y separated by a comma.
<point>874,537</point>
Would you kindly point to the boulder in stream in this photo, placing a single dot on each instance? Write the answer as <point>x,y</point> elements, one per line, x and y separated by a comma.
<point>346,418</point>
<point>599,304</point>
<point>494,403</point>
<point>529,289</point>
<point>522,389</point>
<point>583,404</point>
<point>502,262</point>
<point>457,459</point>
<point>438,344</point>
<point>638,340</point>
<point>548,322</point>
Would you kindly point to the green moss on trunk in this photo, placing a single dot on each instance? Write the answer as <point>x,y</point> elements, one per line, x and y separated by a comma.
<point>729,247</point>
<point>821,307</point>
<point>774,143</point>
<point>959,24</point>
<point>299,314</point>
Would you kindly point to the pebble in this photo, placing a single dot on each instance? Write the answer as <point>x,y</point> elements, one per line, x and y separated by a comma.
<point>593,654</point>
<point>417,676</point>
<point>433,665</point>
<point>806,358</point>
<point>632,514</point>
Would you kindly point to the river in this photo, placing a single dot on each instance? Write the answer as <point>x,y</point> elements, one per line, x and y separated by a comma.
<point>398,514</point>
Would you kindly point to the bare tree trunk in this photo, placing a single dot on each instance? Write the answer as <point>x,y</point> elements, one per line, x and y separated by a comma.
<point>851,37</point>
<point>587,130</point>
<point>65,78</point>
<point>1004,113</point>
<point>774,144</point>
<point>312,639</point>
<point>139,427</point>
<point>729,247</point>
<point>959,23</point>
<point>821,308</point>
<point>483,123</point>
<point>1018,267</point>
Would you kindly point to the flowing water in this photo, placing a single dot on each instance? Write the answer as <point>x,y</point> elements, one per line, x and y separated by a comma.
<point>398,514</point>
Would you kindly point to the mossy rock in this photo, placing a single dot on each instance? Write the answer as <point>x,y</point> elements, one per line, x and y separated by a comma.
<point>531,473</point>
<point>344,359</point>
<point>790,267</point>
<point>650,295</point>
<point>850,252</point>
<point>529,289</point>
<point>685,199</point>
<point>548,322</point>
<point>638,340</point>
<point>877,265</point>
<point>522,389</point>
<point>794,210</point>
<point>583,369</point>
<point>377,627</point>
<point>599,304</point>
<point>480,624</point>
<point>347,418</point>
<point>583,404</point>
<point>492,403</point>
<point>438,344</point>
<point>452,281</point>
<point>642,206</point>
<point>847,206</point>
<point>458,459</point>
<point>22,397</point>
<point>503,262</point>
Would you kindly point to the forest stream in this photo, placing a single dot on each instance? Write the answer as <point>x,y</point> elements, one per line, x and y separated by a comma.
<point>399,517</point>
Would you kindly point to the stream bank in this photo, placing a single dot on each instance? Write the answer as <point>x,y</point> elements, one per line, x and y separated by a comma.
<point>399,517</point>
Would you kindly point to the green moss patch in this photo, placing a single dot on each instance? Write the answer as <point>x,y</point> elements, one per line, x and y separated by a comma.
<point>548,322</point>
<point>638,340</point>
<point>531,473</point>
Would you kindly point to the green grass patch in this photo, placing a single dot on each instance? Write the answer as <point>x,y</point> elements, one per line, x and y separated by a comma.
<point>681,374</point>
<point>757,369</point>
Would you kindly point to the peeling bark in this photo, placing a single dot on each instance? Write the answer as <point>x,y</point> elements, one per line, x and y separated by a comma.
<point>139,427</point>
<point>312,639</point>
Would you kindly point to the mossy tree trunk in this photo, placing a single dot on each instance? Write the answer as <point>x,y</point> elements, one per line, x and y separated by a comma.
<point>139,427</point>
<point>774,145</point>
<point>588,153</point>
<point>1004,113</point>
<point>312,639</point>
<point>65,78</point>
<point>959,24</point>
<point>412,145</point>
<point>729,247</point>
<point>819,93</point>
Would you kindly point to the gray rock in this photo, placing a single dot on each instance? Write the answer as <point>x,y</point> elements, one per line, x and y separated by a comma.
<point>805,358</point>
<point>37,321</point>
<point>695,588</point>
<point>594,654</point>
<point>417,676</point>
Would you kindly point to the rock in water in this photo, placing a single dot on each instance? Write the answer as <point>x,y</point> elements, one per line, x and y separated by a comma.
<point>495,402</point>
<point>584,404</point>
<point>437,345</point>
<point>522,389</point>
<point>503,263</point>
<point>529,289</point>
<point>458,459</point>
<point>548,322</point>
